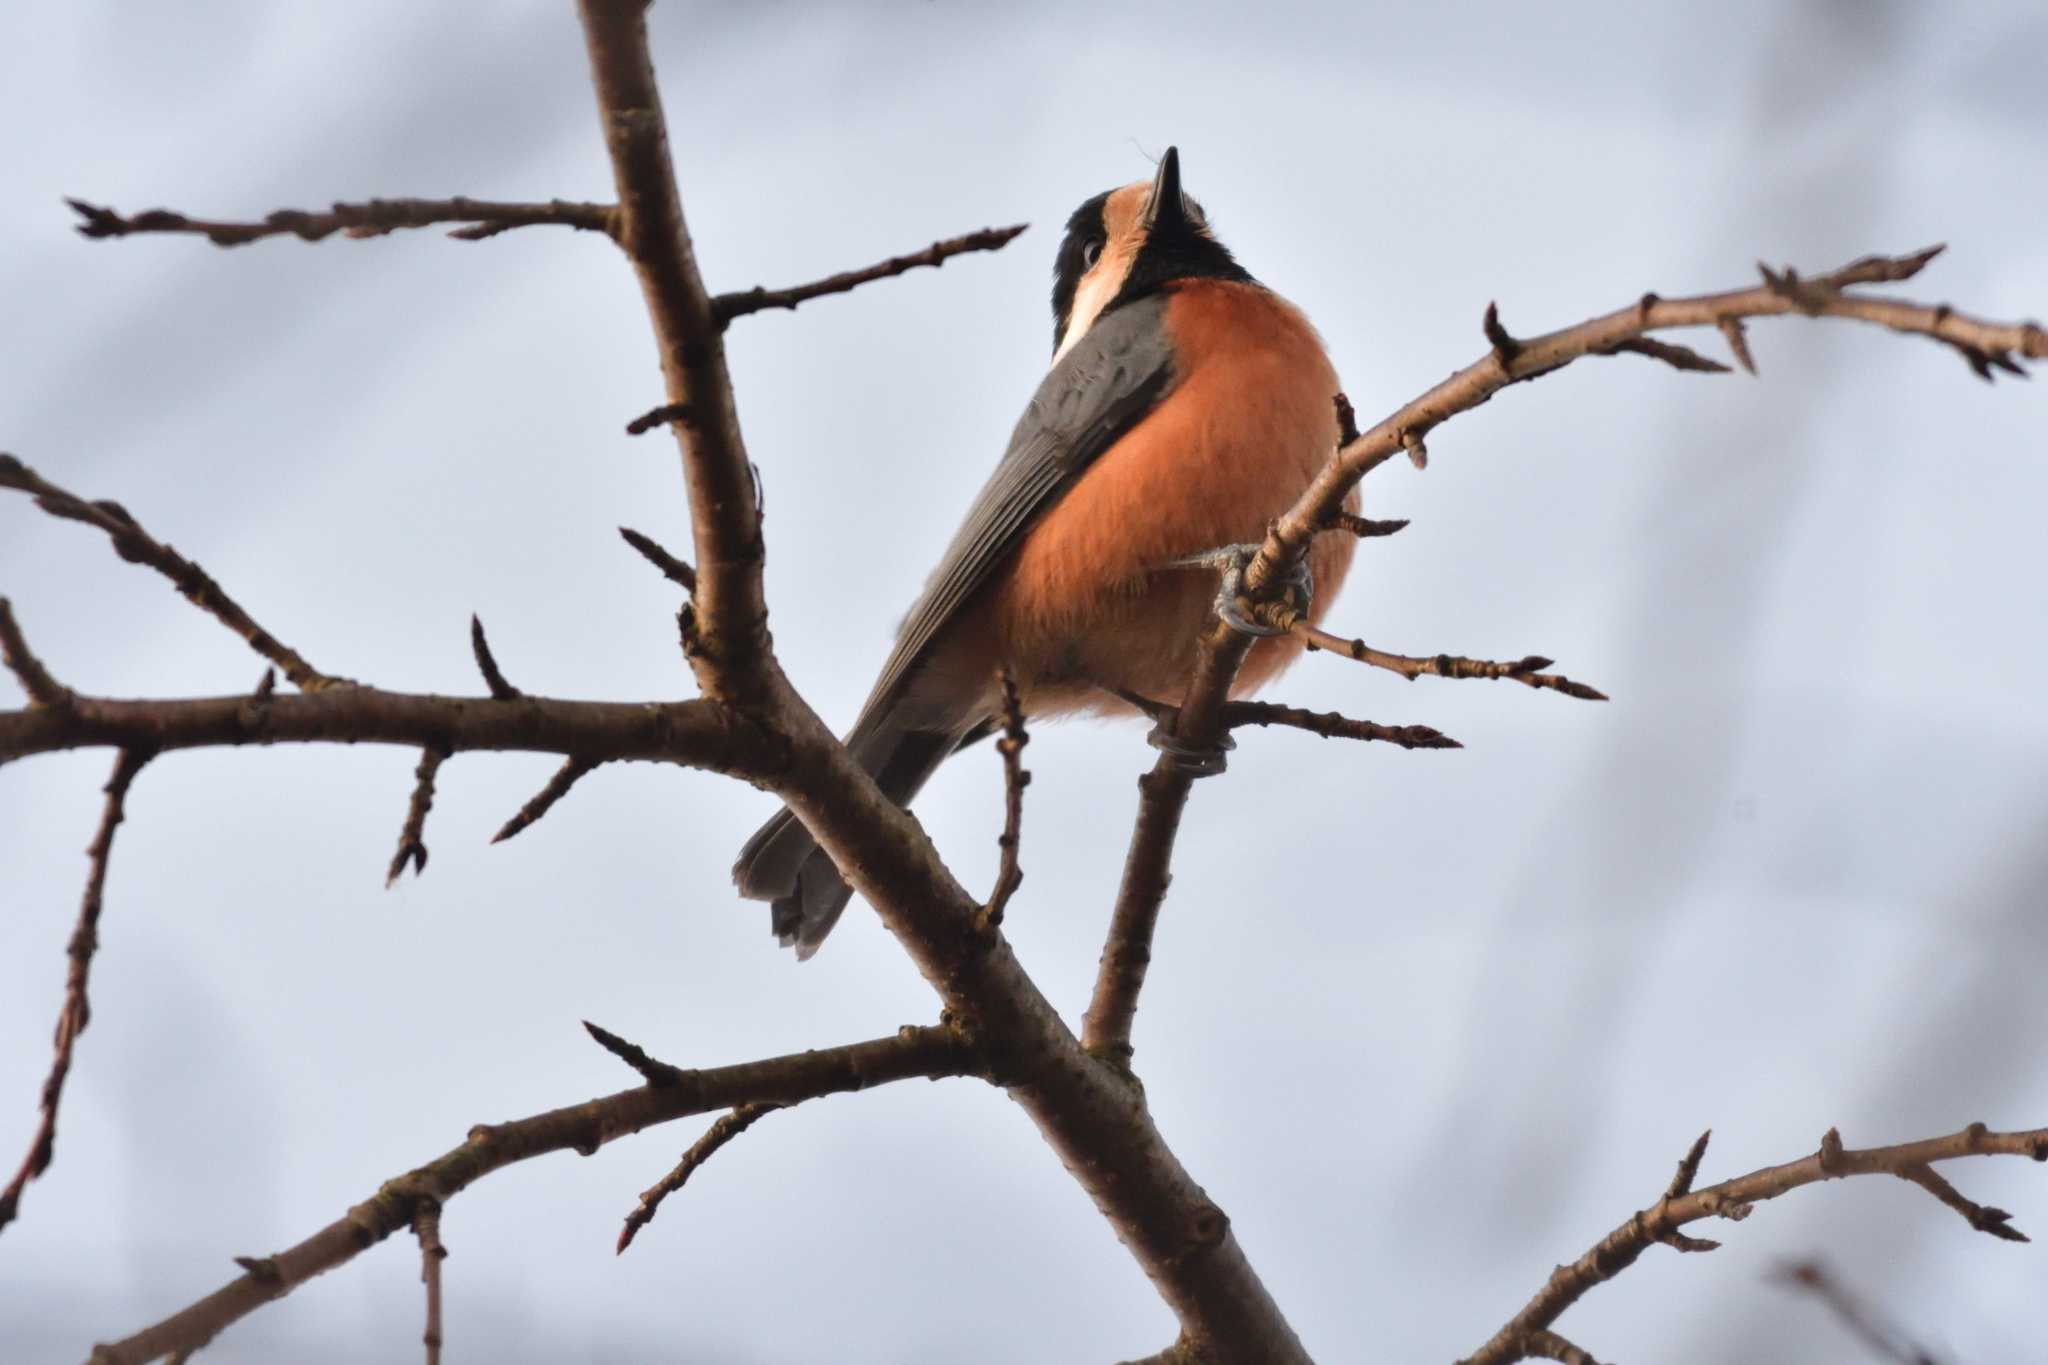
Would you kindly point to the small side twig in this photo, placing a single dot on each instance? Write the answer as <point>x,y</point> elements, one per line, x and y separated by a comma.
<point>659,416</point>
<point>726,307</point>
<point>1331,725</point>
<point>677,572</point>
<point>373,218</point>
<point>412,845</point>
<point>724,1130</point>
<point>426,1225</point>
<point>43,689</point>
<point>1009,876</point>
<point>487,663</point>
<point>568,775</point>
<point>136,545</point>
<point>1527,671</point>
<point>655,1073</point>
<point>1365,527</point>
<point>76,1012</point>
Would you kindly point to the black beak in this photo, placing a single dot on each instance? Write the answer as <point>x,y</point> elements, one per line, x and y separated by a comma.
<point>1167,210</point>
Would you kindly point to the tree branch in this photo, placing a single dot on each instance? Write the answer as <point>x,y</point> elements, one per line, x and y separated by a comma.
<point>487,663</point>
<point>1528,671</point>
<point>912,1052</point>
<point>412,836</point>
<point>742,302</point>
<point>566,776</point>
<point>374,218</point>
<point>426,1225</point>
<point>76,1011</point>
<point>1734,1200</point>
<point>136,545</point>
<point>723,1130</point>
<point>1009,876</point>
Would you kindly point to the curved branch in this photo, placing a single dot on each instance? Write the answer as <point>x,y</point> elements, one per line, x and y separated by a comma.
<point>932,1053</point>
<point>1526,1334</point>
<point>373,218</point>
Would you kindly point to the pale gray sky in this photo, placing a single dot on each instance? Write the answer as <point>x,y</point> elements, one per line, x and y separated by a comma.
<point>1792,876</point>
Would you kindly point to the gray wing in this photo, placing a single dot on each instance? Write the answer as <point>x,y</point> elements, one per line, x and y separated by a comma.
<point>1102,388</point>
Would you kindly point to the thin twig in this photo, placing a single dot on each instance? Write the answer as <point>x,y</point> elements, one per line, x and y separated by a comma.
<point>568,775</point>
<point>1734,1200</point>
<point>426,1225</point>
<point>909,1053</point>
<point>133,543</point>
<point>677,572</point>
<point>724,1130</point>
<point>487,663</point>
<point>653,1071</point>
<point>43,690</point>
<point>1527,671</point>
<point>1009,876</point>
<point>1810,1277</point>
<point>373,218</point>
<point>1365,528</point>
<point>745,301</point>
<point>76,1012</point>
<point>412,836</point>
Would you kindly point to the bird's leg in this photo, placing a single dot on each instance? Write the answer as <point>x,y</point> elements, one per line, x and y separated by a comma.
<point>1240,615</point>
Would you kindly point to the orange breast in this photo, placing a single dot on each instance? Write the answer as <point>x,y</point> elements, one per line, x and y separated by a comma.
<point>1089,597</point>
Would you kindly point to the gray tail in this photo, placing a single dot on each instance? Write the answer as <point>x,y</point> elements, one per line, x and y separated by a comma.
<point>783,865</point>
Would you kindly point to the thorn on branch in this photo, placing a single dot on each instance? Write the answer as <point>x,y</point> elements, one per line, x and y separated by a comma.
<point>655,1073</point>
<point>1738,341</point>
<point>1676,356</point>
<point>1505,347</point>
<point>266,686</point>
<point>76,1012</point>
<point>677,572</point>
<point>1365,528</point>
<point>412,847</point>
<point>726,307</point>
<point>724,1130</point>
<point>487,664</point>
<point>1527,671</point>
<point>1009,876</point>
<point>568,775</point>
<point>659,417</point>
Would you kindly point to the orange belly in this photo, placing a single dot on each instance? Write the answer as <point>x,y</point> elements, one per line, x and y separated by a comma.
<point>1088,598</point>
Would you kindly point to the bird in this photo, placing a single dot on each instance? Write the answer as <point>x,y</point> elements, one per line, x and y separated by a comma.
<point>1186,407</point>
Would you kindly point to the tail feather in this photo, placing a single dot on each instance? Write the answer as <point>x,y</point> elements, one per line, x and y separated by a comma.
<point>783,865</point>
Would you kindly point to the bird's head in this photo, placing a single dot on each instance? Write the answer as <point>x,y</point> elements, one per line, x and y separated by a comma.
<point>1124,244</point>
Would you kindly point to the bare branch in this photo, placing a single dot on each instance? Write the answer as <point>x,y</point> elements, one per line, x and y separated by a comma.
<point>136,545</point>
<point>76,1012</point>
<point>566,776</point>
<point>740,303</point>
<point>1331,725</point>
<point>1812,1278</point>
<point>487,663</point>
<point>652,1071</point>
<point>1734,1199</point>
<point>42,689</point>
<point>659,416</point>
<point>1009,876</point>
<point>1676,356</point>
<point>723,1130</point>
<point>426,1225</point>
<point>677,572</point>
<point>1127,952</point>
<point>912,1052</point>
<point>374,218</point>
<point>412,846</point>
<point>1527,671</point>
<point>1551,1346</point>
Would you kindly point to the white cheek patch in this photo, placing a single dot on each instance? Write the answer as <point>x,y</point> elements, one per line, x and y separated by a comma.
<point>1098,287</point>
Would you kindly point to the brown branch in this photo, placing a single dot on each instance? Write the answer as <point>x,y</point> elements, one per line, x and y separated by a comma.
<point>723,1130</point>
<point>677,572</point>
<point>137,546</point>
<point>1734,1200</point>
<point>426,1225</point>
<point>43,690</point>
<point>1551,1346</point>
<point>76,1012</point>
<point>1331,725</point>
<point>1009,876</point>
<point>652,1070</point>
<point>1127,951</point>
<point>487,663</point>
<point>1527,671</point>
<point>659,416</point>
<point>745,301</point>
<point>696,733</point>
<point>729,636</point>
<point>374,218</point>
<point>912,1052</point>
<point>566,776</point>
<point>412,836</point>
<point>1365,527</point>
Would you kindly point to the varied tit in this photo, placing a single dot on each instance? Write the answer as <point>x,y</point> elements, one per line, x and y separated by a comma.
<point>1186,408</point>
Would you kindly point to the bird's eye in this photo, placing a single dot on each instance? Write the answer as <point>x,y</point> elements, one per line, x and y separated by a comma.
<point>1091,252</point>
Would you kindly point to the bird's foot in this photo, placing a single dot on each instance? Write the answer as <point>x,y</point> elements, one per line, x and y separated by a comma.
<point>1244,617</point>
<point>1196,760</point>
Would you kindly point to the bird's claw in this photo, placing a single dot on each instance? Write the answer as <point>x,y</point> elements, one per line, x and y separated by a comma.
<point>1196,760</point>
<point>1231,607</point>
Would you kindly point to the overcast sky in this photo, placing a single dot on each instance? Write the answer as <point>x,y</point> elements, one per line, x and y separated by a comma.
<point>1425,1024</point>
